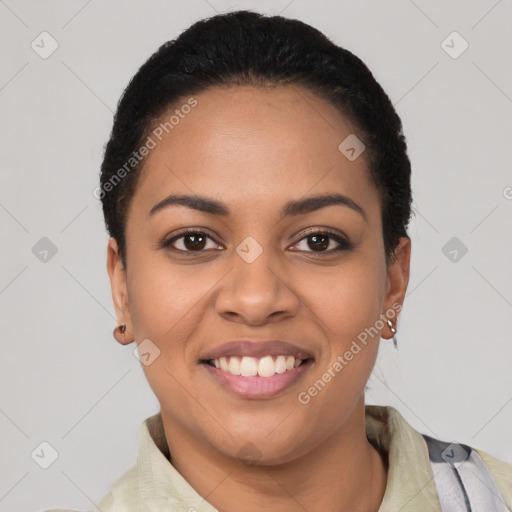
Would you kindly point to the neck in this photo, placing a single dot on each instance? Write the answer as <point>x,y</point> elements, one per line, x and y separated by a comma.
<point>343,473</point>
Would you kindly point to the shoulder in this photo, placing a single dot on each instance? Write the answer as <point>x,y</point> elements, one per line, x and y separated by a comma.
<point>422,467</point>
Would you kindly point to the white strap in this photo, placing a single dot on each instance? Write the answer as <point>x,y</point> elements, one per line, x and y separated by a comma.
<point>463,480</point>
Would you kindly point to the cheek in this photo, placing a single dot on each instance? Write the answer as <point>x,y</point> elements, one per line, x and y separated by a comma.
<point>349,306</point>
<point>161,296</point>
<point>168,302</point>
<point>350,300</point>
<point>165,305</point>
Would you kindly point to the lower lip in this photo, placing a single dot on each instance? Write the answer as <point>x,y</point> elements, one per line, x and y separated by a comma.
<point>258,387</point>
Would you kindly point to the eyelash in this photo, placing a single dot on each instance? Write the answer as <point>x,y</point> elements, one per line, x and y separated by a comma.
<point>343,244</point>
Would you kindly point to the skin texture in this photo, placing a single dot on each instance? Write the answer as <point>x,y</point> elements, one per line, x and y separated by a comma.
<point>254,149</point>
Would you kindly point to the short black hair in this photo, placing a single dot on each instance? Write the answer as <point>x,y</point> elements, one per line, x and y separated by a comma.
<point>248,48</point>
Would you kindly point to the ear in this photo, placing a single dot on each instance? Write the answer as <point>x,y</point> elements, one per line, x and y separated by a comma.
<point>398,279</point>
<point>117,275</point>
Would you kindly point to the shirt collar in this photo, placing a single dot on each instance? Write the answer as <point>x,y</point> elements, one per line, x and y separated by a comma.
<point>160,484</point>
<point>410,485</point>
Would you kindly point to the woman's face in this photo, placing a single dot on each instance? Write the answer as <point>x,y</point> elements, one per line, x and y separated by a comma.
<point>248,273</point>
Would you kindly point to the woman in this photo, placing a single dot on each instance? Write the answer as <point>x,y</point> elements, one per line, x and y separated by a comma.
<point>256,187</point>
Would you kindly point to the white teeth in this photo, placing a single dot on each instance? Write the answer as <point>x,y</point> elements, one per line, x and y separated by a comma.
<point>234,365</point>
<point>265,366</point>
<point>280,364</point>
<point>248,367</point>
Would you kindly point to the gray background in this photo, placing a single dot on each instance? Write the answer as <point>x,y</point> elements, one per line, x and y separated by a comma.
<point>64,378</point>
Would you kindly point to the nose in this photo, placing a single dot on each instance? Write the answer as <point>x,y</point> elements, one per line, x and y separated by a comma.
<point>256,293</point>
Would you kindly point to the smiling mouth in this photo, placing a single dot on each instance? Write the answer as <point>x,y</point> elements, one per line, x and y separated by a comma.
<point>266,366</point>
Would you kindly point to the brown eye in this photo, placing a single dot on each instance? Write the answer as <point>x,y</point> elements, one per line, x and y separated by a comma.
<point>190,241</point>
<point>194,241</point>
<point>319,241</point>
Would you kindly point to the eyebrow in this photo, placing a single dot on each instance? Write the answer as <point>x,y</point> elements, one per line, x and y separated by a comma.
<point>291,208</point>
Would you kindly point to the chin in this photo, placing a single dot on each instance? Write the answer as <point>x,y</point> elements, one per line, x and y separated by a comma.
<point>260,449</point>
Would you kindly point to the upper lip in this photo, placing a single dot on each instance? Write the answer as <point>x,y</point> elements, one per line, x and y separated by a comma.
<point>256,349</point>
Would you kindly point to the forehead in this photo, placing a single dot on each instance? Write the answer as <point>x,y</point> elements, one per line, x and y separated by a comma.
<point>244,144</point>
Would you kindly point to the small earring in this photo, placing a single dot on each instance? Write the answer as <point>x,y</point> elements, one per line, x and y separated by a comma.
<point>121,328</point>
<point>393,330</point>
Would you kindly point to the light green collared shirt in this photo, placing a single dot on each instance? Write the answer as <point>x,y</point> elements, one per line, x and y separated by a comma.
<point>154,485</point>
